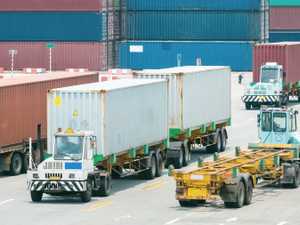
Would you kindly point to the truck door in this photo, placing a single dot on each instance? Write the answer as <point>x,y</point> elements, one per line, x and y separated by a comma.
<point>280,128</point>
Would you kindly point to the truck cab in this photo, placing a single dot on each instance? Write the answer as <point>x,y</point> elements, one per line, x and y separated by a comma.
<point>268,90</point>
<point>278,126</point>
<point>70,169</point>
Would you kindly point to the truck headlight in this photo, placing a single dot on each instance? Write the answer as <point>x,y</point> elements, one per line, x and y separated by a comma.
<point>72,175</point>
<point>35,176</point>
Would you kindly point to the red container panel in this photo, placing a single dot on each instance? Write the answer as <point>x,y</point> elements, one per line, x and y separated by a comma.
<point>23,102</point>
<point>285,18</point>
<point>51,5</point>
<point>286,54</point>
<point>89,55</point>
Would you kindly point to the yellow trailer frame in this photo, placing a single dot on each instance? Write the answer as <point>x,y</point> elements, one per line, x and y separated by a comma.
<point>234,178</point>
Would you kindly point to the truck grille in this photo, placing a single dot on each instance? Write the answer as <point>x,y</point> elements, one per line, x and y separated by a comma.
<point>53,175</point>
<point>53,165</point>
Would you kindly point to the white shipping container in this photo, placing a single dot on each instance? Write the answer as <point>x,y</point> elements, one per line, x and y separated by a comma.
<point>198,95</point>
<point>123,114</point>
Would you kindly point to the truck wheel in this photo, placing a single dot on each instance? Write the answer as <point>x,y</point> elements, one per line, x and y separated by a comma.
<point>224,141</point>
<point>178,162</point>
<point>16,164</point>
<point>36,196</point>
<point>151,172</point>
<point>240,196</point>
<point>248,193</point>
<point>87,195</point>
<point>188,203</point>
<point>217,147</point>
<point>247,106</point>
<point>106,186</point>
<point>160,166</point>
<point>187,154</point>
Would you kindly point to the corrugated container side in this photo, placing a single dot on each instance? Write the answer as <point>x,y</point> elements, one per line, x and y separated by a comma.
<point>51,26</point>
<point>155,55</point>
<point>192,4</point>
<point>194,25</point>
<point>279,36</point>
<point>144,122</point>
<point>285,18</point>
<point>286,55</point>
<point>90,55</point>
<point>51,5</point>
<point>213,87</point>
<point>24,106</point>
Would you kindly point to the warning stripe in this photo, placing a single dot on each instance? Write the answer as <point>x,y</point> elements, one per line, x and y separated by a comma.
<point>260,98</point>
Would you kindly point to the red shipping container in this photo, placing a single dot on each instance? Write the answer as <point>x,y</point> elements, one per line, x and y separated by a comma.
<point>285,18</point>
<point>89,55</point>
<point>51,5</point>
<point>286,54</point>
<point>23,102</point>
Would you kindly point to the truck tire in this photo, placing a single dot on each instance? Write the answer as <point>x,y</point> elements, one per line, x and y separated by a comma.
<point>224,140</point>
<point>105,188</point>
<point>36,196</point>
<point>187,153</point>
<point>217,147</point>
<point>16,164</point>
<point>87,195</point>
<point>188,203</point>
<point>240,196</point>
<point>248,192</point>
<point>159,166</point>
<point>178,162</point>
<point>150,173</point>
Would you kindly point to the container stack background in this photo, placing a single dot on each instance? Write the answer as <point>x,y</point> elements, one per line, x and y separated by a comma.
<point>157,34</point>
<point>284,20</point>
<point>83,33</point>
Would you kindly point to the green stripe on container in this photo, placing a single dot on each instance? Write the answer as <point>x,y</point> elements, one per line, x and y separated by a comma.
<point>284,3</point>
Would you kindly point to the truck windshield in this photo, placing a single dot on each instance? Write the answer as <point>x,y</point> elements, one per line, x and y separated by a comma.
<point>279,122</point>
<point>68,147</point>
<point>269,75</point>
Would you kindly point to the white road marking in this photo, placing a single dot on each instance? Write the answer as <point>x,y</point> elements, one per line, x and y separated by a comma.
<point>282,223</point>
<point>6,201</point>
<point>172,221</point>
<point>232,219</point>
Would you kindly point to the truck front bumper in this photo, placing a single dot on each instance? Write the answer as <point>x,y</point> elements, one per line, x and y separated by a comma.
<point>56,186</point>
<point>266,99</point>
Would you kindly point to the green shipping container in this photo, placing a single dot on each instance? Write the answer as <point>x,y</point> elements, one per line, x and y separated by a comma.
<point>282,3</point>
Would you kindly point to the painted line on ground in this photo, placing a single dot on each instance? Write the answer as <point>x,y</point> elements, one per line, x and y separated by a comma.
<point>282,223</point>
<point>232,219</point>
<point>97,205</point>
<point>172,221</point>
<point>6,201</point>
<point>154,185</point>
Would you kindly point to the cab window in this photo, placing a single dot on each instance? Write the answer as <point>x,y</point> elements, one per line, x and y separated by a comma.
<point>266,121</point>
<point>279,122</point>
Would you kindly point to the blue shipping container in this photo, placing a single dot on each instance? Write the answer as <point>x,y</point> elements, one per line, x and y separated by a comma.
<point>153,55</point>
<point>278,36</point>
<point>194,4</point>
<point>194,25</point>
<point>51,26</point>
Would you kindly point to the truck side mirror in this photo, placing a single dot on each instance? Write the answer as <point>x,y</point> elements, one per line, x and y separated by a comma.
<point>296,112</point>
<point>258,120</point>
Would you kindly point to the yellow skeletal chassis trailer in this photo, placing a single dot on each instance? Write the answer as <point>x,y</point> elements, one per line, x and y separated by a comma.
<point>233,178</point>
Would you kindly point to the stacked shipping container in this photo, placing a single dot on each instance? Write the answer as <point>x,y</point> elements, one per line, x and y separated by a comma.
<point>156,29</point>
<point>285,20</point>
<point>82,30</point>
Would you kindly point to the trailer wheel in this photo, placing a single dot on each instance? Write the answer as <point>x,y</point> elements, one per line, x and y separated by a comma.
<point>188,203</point>
<point>249,193</point>
<point>105,188</point>
<point>87,195</point>
<point>217,147</point>
<point>160,166</point>
<point>240,195</point>
<point>16,164</point>
<point>36,196</point>
<point>151,172</point>
<point>178,162</point>
<point>224,140</point>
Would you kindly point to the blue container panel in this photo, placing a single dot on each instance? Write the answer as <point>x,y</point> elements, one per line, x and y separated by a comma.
<point>186,25</point>
<point>193,4</point>
<point>153,55</point>
<point>284,36</point>
<point>51,26</point>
